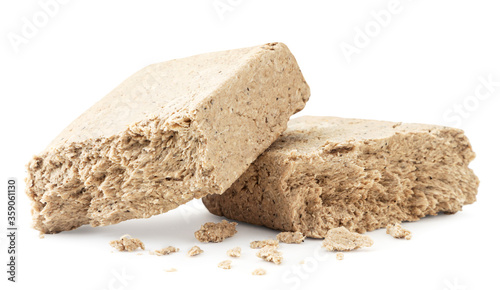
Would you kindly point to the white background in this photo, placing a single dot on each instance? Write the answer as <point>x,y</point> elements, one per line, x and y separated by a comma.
<point>420,66</point>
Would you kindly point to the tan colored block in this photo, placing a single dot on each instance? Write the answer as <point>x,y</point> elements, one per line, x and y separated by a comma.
<point>327,172</point>
<point>171,132</point>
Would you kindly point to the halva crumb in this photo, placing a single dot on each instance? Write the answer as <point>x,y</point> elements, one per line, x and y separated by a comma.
<point>398,232</point>
<point>194,251</point>
<point>216,232</point>
<point>225,265</point>
<point>234,252</point>
<point>270,254</point>
<point>341,239</point>
<point>262,244</point>
<point>127,243</point>
<point>166,251</point>
<point>259,272</point>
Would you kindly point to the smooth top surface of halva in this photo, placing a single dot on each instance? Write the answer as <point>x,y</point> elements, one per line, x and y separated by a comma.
<point>158,90</point>
<point>312,134</point>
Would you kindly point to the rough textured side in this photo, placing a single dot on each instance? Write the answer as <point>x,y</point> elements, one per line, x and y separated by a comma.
<point>172,132</point>
<point>327,172</point>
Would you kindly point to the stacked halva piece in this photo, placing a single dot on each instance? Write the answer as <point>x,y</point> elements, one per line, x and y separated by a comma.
<point>172,132</point>
<point>327,172</point>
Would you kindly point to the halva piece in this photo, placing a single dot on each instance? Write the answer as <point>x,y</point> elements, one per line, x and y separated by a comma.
<point>172,132</point>
<point>328,172</point>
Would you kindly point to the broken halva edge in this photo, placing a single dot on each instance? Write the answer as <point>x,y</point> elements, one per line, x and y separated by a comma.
<point>328,172</point>
<point>172,132</point>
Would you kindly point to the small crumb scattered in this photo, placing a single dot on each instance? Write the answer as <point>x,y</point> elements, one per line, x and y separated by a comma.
<point>225,265</point>
<point>341,239</point>
<point>340,256</point>
<point>302,262</point>
<point>262,244</point>
<point>41,235</point>
<point>165,251</point>
<point>194,251</point>
<point>234,252</point>
<point>271,254</point>
<point>216,232</point>
<point>171,270</point>
<point>259,272</point>
<point>398,232</point>
<point>139,254</point>
<point>290,237</point>
<point>127,243</point>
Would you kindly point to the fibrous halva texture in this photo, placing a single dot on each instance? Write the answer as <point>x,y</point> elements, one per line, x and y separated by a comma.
<point>327,172</point>
<point>234,252</point>
<point>262,244</point>
<point>226,265</point>
<point>341,239</point>
<point>216,232</point>
<point>398,232</point>
<point>290,237</point>
<point>194,251</point>
<point>270,254</point>
<point>166,251</point>
<point>127,243</point>
<point>171,132</point>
